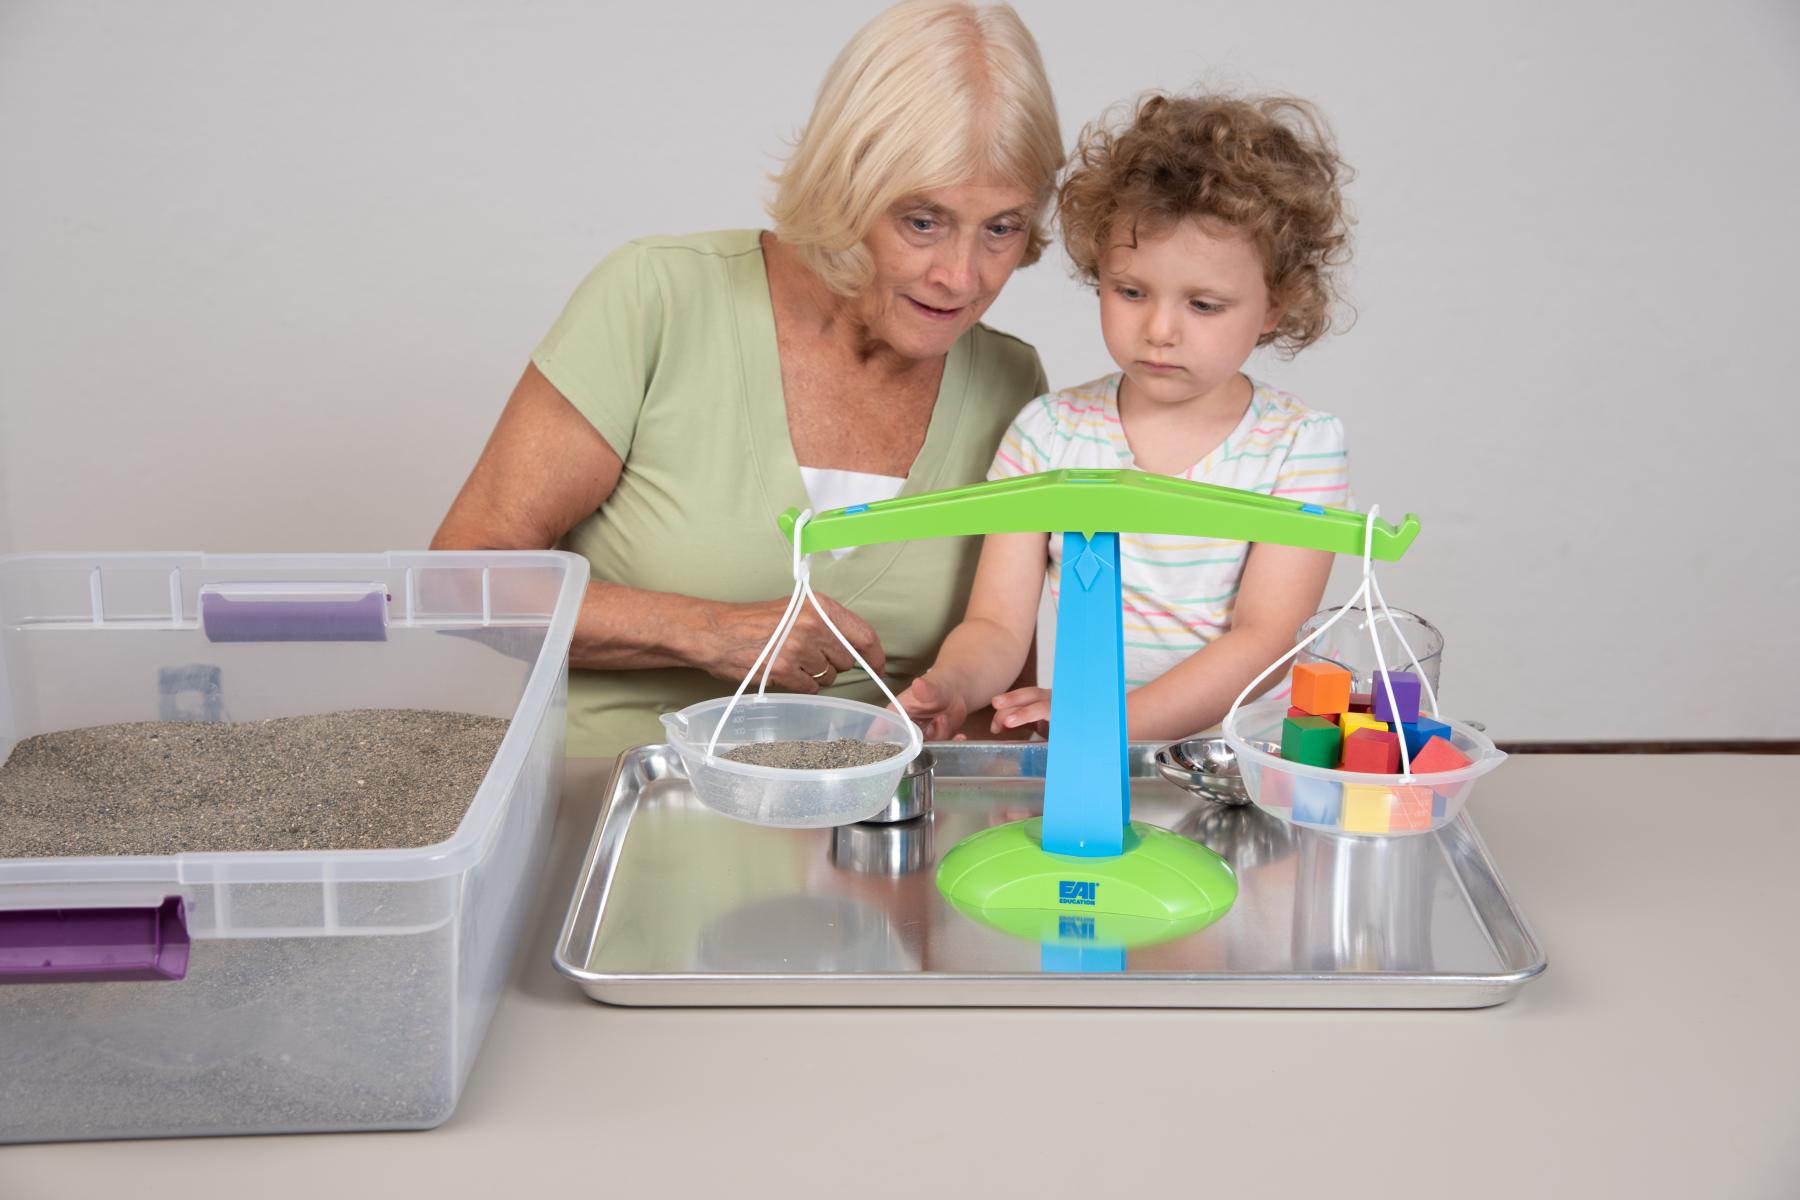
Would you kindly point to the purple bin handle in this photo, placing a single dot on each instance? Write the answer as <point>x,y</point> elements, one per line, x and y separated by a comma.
<point>94,945</point>
<point>295,618</point>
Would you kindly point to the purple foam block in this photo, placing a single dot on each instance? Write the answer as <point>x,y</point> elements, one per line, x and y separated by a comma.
<point>94,945</point>
<point>225,619</point>
<point>1406,695</point>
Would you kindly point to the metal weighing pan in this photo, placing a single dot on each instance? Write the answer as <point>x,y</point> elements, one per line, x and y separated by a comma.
<point>677,905</point>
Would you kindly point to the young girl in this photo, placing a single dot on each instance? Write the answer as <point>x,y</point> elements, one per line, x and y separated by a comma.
<point>1211,226</point>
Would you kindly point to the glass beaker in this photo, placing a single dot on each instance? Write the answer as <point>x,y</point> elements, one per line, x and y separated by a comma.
<point>1364,903</point>
<point>1347,644</point>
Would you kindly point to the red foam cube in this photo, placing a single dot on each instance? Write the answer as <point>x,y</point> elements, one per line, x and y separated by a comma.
<point>1322,689</point>
<point>1438,755</point>
<point>1372,751</point>
<point>1297,711</point>
<point>1412,808</point>
<point>1363,702</point>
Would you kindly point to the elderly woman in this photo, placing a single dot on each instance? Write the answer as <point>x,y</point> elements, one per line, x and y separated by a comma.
<point>696,386</point>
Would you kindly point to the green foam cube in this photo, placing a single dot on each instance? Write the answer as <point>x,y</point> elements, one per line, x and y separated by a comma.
<point>1314,741</point>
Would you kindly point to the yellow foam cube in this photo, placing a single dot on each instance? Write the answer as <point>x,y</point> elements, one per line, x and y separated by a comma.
<point>1353,721</point>
<point>1365,808</point>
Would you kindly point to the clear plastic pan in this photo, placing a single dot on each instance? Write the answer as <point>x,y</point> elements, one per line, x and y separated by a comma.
<point>1351,801</point>
<point>778,795</point>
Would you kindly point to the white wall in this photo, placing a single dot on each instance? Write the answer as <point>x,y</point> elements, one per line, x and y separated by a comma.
<point>268,271</point>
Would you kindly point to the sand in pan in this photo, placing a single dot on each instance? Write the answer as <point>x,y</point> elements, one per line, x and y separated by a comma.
<point>814,755</point>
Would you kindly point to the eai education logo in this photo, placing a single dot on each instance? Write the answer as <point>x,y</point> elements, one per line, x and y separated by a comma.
<point>1075,929</point>
<point>1076,891</point>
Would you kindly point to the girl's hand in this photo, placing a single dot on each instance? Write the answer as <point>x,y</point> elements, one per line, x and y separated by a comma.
<point>1023,706</point>
<point>937,708</point>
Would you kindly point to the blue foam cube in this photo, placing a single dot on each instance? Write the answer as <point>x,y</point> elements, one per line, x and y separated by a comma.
<point>1417,733</point>
<point>1316,801</point>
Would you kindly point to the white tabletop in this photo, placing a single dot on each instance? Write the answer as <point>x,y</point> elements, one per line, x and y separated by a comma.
<point>1658,1056</point>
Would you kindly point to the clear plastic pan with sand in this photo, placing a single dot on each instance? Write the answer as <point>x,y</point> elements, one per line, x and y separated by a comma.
<point>785,796</point>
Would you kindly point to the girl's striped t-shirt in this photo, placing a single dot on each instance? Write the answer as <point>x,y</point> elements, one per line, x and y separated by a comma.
<point>1179,592</point>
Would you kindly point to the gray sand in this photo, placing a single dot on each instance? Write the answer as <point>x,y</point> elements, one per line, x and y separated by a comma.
<point>264,1035</point>
<point>812,756</point>
<point>352,780</point>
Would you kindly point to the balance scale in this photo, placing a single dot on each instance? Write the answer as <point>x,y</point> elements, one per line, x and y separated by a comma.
<point>1085,880</point>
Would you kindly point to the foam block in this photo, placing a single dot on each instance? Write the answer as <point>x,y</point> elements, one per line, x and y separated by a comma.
<point>1438,755</point>
<point>1413,807</point>
<point>1373,752</point>
<point>1362,702</point>
<point>1295,711</point>
<point>1353,721</point>
<point>1365,807</point>
<point>1417,733</point>
<point>1315,741</point>
<point>1406,696</point>
<point>1447,798</point>
<point>1321,688</point>
<point>1316,801</point>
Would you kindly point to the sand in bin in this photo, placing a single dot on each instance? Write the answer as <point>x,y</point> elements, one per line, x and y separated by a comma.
<point>264,1035</point>
<point>813,755</point>
<point>352,780</point>
<point>355,1028</point>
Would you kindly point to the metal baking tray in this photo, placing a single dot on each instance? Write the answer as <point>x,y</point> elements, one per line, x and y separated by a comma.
<point>677,905</point>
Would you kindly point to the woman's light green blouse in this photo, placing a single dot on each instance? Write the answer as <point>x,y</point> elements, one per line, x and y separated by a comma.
<point>668,347</point>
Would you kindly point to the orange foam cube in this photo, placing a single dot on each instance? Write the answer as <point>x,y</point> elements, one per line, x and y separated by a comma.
<point>1321,689</point>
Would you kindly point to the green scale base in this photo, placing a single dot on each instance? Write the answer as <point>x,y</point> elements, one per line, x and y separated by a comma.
<point>1161,887</point>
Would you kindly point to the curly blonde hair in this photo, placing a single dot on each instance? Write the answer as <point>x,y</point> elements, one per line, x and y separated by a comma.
<point>1264,166</point>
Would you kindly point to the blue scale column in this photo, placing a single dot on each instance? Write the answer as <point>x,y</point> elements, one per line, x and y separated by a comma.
<point>1057,958</point>
<point>1086,797</point>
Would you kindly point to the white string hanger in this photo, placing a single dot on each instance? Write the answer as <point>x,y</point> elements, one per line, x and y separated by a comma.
<point>803,592</point>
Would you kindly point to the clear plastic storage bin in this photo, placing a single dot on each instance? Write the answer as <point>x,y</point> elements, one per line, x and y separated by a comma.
<point>283,991</point>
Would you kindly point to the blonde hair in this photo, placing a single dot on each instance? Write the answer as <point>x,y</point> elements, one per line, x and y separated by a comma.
<point>927,95</point>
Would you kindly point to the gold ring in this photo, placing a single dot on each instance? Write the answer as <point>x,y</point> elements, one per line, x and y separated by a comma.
<point>821,674</point>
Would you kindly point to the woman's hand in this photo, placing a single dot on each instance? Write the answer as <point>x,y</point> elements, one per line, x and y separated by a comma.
<point>936,706</point>
<point>728,638</point>
<point>1022,706</point>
